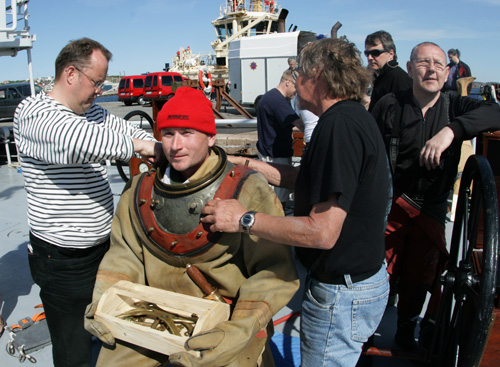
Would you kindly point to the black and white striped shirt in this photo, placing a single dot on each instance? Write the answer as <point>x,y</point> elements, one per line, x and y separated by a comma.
<point>70,202</point>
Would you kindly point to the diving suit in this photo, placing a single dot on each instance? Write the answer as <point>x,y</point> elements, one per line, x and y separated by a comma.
<point>156,234</point>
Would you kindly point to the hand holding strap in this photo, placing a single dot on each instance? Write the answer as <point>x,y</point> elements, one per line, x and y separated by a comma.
<point>95,327</point>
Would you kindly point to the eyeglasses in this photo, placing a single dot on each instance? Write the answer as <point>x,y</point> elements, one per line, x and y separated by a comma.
<point>375,52</point>
<point>97,85</point>
<point>426,63</point>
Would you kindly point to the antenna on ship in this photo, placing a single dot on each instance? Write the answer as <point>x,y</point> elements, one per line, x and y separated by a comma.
<point>12,40</point>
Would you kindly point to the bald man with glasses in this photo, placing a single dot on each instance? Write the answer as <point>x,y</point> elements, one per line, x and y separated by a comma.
<point>423,131</point>
<point>380,51</point>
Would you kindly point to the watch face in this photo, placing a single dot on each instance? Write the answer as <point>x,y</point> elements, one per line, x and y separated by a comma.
<point>143,167</point>
<point>247,220</point>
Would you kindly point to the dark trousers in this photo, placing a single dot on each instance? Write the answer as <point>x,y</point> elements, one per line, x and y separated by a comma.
<point>416,254</point>
<point>66,279</point>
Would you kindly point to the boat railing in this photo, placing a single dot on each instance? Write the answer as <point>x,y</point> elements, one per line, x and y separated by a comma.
<point>234,7</point>
<point>13,13</point>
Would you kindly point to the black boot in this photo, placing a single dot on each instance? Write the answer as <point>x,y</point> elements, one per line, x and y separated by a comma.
<point>427,330</point>
<point>405,336</point>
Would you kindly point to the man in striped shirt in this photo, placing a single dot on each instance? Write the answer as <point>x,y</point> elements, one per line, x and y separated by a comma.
<point>62,138</point>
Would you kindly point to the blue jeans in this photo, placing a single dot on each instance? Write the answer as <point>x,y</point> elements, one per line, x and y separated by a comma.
<point>336,320</point>
<point>66,285</point>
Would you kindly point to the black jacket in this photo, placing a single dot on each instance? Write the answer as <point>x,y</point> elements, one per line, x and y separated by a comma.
<point>467,118</point>
<point>391,79</point>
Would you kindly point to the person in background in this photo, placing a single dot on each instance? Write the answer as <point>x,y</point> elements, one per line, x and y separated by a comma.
<point>275,122</point>
<point>310,120</point>
<point>423,130</point>
<point>63,137</point>
<point>380,51</point>
<point>341,186</point>
<point>458,69</point>
<point>255,275</point>
<point>292,66</point>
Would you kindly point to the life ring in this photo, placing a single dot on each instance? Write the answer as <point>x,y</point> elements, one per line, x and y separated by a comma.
<point>205,79</point>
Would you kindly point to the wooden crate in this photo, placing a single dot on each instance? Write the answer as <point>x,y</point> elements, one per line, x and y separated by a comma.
<point>120,298</point>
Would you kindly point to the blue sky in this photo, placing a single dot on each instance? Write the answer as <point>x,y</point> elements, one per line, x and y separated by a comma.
<point>144,35</point>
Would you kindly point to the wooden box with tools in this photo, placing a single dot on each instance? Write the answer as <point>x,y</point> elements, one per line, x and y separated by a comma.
<point>156,319</point>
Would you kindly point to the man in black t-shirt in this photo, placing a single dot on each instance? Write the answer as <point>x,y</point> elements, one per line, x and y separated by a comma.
<point>342,192</point>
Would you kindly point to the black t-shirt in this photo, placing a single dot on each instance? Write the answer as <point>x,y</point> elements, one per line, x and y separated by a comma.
<point>275,116</point>
<point>346,157</point>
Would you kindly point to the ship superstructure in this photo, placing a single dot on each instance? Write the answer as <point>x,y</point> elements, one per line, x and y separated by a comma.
<point>238,18</point>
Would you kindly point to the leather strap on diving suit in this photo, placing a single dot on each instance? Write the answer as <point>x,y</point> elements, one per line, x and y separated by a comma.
<point>200,239</point>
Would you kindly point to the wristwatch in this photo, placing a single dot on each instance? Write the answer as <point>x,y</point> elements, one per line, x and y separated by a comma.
<point>247,221</point>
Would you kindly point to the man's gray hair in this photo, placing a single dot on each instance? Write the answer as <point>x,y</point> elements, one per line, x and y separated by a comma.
<point>340,65</point>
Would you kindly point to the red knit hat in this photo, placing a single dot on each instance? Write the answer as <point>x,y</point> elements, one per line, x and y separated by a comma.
<point>190,109</point>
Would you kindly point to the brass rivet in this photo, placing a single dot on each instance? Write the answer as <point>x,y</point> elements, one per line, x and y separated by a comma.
<point>232,174</point>
<point>199,234</point>
<point>150,229</point>
<point>174,243</point>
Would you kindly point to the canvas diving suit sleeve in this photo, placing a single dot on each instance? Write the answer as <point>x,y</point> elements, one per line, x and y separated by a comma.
<point>270,284</point>
<point>273,279</point>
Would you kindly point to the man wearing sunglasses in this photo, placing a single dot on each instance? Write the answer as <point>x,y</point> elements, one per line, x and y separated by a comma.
<point>423,130</point>
<point>380,51</point>
<point>62,138</point>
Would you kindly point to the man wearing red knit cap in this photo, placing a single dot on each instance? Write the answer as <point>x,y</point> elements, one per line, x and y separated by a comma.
<point>157,232</point>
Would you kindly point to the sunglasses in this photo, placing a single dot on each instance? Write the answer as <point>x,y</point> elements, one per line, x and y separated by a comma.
<point>374,52</point>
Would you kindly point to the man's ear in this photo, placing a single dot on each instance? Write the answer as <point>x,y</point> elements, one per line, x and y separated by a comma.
<point>391,52</point>
<point>409,69</point>
<point>447,72</point>
<point>70,74</point>
<point>317,74</point>
<point>211,140</point>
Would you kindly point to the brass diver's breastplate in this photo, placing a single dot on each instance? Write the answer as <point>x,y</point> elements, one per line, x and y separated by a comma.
<point>170,214</point>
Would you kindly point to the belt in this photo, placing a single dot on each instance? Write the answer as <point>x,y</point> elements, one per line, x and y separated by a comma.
<point>46,249</point>
<point>76,252</point>
<point>340,279</point>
